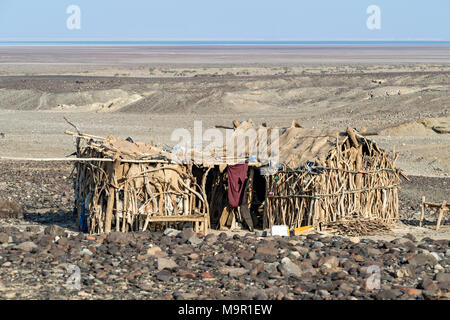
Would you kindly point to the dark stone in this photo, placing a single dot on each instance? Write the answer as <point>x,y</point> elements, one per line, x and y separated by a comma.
<point>246,264</point>
<point>339,275</point>
<point>443,277</point>
<point>308,287</point>
<point>118,238</point>
<point>63,241</point>
<point>164,275</point>
<point>10,209</point>
<point>257,269</point>
<point>222,236</point>
<point>54,231</point>
<point>389,294</point>
<point>423,259</point>
<point>313,236</point>
<point>267,250</point>
<point>428,284</point>
<point>430,294</point>
<point>410,237</point>
<point>230,246</point>
<point>4,238</point>
<point>210,238</point>
<point>186,234</point>
<point>245,254</point>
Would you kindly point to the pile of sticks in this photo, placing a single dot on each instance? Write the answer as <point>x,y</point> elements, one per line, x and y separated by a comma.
<point>355,228</point>
<point>357,181</point>
<point>117,192</point>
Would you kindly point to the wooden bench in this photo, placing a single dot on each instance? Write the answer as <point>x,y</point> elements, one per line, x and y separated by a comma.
<point>443,209</point>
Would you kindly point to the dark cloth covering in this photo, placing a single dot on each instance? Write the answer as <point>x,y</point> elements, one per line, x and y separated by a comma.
<point>237,176</point>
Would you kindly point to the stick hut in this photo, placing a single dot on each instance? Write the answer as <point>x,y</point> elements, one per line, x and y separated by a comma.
<point>323,178</point>
<point>328,179</point>
<point>126,186</point>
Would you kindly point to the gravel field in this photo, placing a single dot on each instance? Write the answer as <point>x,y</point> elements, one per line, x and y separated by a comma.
<point>38,250</point>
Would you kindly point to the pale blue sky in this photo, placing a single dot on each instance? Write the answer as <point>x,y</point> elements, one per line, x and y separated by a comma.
<point>225,20</point>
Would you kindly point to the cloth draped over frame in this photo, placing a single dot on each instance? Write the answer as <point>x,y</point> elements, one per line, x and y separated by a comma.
<point>237,177</point>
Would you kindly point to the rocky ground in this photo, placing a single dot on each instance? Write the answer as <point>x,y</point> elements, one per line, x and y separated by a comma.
<point>41,251</point>
<point>38,263</point>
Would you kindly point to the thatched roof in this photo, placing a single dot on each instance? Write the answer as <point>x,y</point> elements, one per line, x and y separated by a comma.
<point>296,147</point>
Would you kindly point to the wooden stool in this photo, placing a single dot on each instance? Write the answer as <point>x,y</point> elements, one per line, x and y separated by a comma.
<point>442,210</point>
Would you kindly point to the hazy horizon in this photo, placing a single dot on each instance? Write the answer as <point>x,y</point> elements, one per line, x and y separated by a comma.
<point>202,20</point>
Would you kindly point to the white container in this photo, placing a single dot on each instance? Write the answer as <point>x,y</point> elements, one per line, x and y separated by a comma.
<point>281,230</point>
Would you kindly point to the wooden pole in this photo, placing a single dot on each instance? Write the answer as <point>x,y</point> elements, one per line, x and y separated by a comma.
<point>422,215</point>
<point>441,213</point>
<point>111,193</point>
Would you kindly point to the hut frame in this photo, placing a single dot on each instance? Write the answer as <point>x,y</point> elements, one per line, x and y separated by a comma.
<point>114,191</point>
<point>120,191</point>
<point>356,182</point>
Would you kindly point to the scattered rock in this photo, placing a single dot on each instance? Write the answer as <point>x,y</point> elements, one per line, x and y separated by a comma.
<point>324,293</point>
<point>118,238</point>
<point>443,277</point>
<point>210,238</point>
<point>423,259</point>
<point>317,244</point>
<point>428,284</point>
<point>165,263</point>
<point>436,256</point>
<point>245,254</point>
<point>156,251</point>
<point>164,275</point>
<point>289,268</point>
<point>27,246</point>
<point>171,232</point>
<point>267,250</point>
<point>195,241</point>
<point>86,251</point>
<point>410,237</point>
<point>54,230</point>
<point>271,267</point>
<point>4,238</point>
<point>206,275</point>
<point>232,271</point>
<point>329,262</point>
<point>186,234</point>
<point>412,291</point>
<point>389,294</point>
<point>354,240</point>
<point>10,209</point>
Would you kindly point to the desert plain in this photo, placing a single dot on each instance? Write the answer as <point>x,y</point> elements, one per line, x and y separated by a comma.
<point>397,95</point>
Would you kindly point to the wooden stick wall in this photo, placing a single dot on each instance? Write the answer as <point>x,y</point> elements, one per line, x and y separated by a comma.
<point>356,182</point>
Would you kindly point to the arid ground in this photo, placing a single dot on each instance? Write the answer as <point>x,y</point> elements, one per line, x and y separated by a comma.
<point>398,95</point>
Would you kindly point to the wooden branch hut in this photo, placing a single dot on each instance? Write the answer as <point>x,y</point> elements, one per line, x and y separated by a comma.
<point>124,186</point>
<point>321,178</point>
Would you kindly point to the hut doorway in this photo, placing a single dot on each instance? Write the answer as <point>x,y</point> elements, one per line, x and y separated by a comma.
<point>249,214</point>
